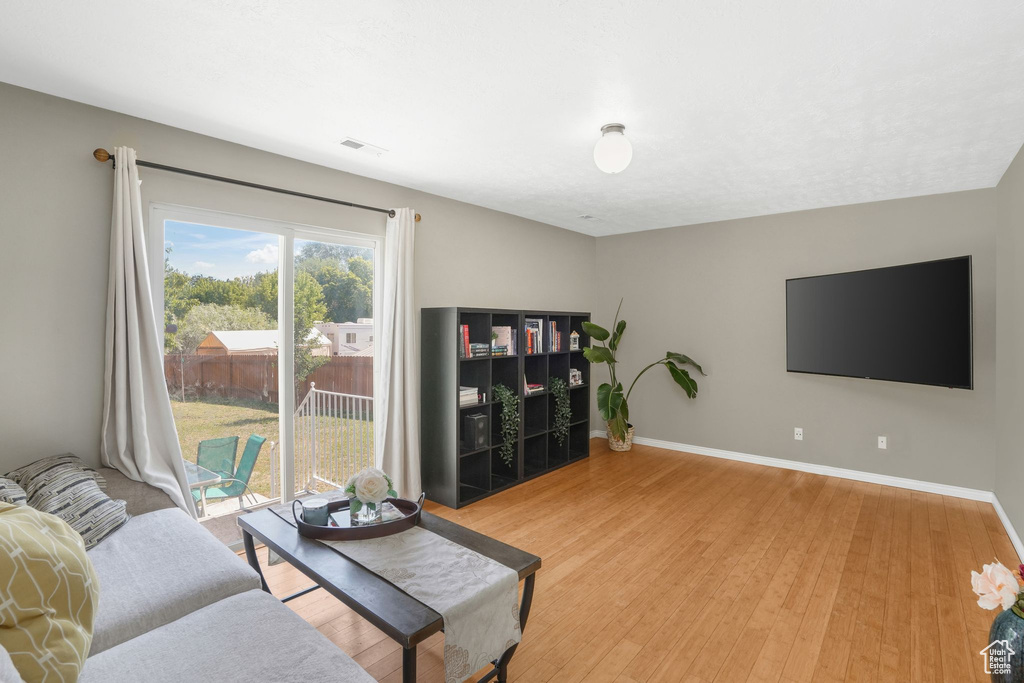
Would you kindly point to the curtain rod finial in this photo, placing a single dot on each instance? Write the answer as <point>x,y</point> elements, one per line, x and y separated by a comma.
<point>417,218</point>
<point>101,155</point>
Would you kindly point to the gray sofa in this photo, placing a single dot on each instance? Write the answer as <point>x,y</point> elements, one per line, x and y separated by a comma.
<point>176,605</point>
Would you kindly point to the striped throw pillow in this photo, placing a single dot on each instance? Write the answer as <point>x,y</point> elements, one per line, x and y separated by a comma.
<point>11,493</point>
<point>65,487</point>
<point>40,468</point>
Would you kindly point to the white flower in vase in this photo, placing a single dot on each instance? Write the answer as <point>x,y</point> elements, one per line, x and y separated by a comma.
<point>371,487</point>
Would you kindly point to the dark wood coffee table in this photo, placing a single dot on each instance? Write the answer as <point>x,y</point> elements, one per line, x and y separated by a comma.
<point>402,617</point>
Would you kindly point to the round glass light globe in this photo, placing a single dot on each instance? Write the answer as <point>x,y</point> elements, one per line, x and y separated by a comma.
<point>613,152</point>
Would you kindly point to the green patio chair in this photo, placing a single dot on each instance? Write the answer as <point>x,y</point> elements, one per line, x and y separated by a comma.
<point>218,455</point>
<point>235,484</point>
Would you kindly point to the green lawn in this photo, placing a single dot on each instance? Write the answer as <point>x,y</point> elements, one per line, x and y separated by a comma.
<point>342,445</point>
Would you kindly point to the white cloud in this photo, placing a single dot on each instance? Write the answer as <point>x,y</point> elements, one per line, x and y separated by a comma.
<point>203,264</point>
<point>267,254</point>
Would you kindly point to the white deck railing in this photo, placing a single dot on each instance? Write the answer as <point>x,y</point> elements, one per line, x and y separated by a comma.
<point>333,439</point>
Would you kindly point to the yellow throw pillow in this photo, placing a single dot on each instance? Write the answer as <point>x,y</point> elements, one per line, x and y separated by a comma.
<point>48,595</point>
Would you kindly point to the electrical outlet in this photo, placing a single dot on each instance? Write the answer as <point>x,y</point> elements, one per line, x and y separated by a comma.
<point>798,433</point>
<point>883,442</point>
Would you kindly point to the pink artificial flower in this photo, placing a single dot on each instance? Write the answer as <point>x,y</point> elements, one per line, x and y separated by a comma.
<point>996,585</point>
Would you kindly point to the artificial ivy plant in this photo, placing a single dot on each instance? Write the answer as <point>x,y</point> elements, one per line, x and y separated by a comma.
<point>509,422</point>
<point>563,412</point>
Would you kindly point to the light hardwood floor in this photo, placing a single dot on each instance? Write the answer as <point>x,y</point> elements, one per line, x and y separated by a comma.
<point>664,566</point>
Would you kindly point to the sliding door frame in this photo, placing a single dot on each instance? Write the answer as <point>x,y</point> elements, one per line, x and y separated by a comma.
<point>287,233</point>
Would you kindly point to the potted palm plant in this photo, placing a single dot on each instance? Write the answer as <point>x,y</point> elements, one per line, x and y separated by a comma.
<point>611,401</point>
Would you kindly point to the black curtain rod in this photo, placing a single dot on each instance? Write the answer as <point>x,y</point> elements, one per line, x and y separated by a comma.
<point>103,156</point>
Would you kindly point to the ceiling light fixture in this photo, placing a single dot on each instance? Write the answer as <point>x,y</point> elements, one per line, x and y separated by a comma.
<point>613,152</point>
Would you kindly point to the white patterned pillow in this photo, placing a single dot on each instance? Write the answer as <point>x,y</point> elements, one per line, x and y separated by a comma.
<point>65,487</point>
<point>11,493</point>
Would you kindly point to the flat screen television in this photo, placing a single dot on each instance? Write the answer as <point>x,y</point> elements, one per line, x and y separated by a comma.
<point>909,323</point>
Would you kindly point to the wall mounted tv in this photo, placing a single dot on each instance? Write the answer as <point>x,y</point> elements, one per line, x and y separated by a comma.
<point>910,323</point>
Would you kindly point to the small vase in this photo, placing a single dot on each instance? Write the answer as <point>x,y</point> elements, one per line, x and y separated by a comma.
<point>1006,635</point>
<point>621,445</point>
<point>367,514</point>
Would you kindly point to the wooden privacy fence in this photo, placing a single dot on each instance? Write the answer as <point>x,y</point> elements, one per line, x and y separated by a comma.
<point>255,377</point>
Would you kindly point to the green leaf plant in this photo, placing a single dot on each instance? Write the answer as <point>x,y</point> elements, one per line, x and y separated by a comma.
<point>563,411</point>
<point>509,422</point>
<point>612,403</point>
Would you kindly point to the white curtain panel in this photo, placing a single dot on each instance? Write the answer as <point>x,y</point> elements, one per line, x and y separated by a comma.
<point>397,420</point>
<point>138,436</point>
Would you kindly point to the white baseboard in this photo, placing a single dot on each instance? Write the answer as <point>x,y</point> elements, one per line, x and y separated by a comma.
<point>857,475</point>
<point>1008,525</point>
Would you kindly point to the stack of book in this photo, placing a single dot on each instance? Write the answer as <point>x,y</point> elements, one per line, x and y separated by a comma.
<point>468,396</point>
<point>503,341</point>
<point>532,389</point>
<point>534,335</point>
<point>554,337</point>
<point>471,350</point>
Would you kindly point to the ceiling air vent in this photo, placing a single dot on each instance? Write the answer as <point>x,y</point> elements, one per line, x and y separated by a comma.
<point>361,146</point>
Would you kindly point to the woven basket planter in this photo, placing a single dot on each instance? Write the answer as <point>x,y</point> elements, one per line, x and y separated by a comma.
<point>621,444</point>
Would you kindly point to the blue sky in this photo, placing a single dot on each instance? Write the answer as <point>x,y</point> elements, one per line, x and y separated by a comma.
<point>223,253</point>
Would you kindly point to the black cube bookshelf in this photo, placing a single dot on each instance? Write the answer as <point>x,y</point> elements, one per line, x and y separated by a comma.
<point>455,473</point>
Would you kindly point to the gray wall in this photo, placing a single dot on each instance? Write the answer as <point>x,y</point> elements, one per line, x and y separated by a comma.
<point>713,291</point>
<point>55,222</point>
<point>1009,470</point>
<point>717,293</point>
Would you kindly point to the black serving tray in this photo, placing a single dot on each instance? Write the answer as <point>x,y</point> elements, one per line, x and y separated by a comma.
<point>411,517</point>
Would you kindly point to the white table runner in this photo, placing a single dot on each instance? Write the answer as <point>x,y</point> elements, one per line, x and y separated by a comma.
<point>478,597</point>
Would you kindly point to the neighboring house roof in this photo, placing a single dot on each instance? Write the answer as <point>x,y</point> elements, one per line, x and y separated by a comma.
<point>317,338</point>
<point>355,350</point>
<point>363,322</point>
<point>255,341</point>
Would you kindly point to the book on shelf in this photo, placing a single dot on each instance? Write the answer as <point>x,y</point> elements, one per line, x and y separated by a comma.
<point>532,389</point>
<point>504,337</point>
<point>479,350</point>
<point>463,341</point>
<point>469,396</point>
<point>534,329</point>
<point>554,337</point>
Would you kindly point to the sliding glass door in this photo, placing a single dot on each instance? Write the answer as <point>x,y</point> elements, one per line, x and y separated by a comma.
<point>333,419</point>
<point>269,354</point>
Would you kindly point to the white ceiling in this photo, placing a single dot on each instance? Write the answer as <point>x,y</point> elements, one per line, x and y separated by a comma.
<point>734,108</point>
